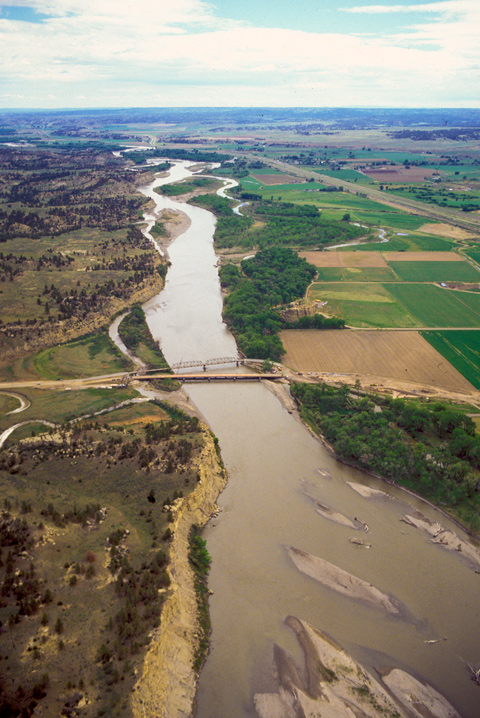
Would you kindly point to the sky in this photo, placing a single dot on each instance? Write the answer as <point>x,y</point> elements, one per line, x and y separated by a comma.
<point>239,53</point>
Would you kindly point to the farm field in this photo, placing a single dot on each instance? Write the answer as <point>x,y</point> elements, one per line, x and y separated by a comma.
<point>364,305</point>
<point>438,271</point>
<point>399,173</point>
<point>461,349</point>
<point>356,274</point>
<point>334,204</point>
<point>422,257</point>
<point>275,178</point>
<point>397,304</point>
<point>433,306</point>
<point>344,259</point>
<point>402,356</point>
<point>408,242</point>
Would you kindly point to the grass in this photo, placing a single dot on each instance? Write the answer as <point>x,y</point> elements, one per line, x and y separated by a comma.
<point>92,355</point>
<point>335,204</point>
<point>363,305</point>
<point>59,407</point>
<point>435,271</point>
<point>473,254</point>
<point>184,187</point>
<point>461,349</point>
<point>433,306</point>
<point>404,242</point>
<point>356,274</point>
<point>8,403</point>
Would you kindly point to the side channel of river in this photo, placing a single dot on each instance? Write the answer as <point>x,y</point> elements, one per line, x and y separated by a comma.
<point>277,471</point>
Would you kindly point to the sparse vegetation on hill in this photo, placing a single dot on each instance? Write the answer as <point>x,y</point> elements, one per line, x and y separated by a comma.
<point>85,530</point>
<point>70,250</point>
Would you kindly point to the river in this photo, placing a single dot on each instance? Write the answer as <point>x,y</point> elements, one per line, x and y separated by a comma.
<point>277,471</point>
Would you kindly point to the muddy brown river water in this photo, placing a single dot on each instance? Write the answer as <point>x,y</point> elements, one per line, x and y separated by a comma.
<point>278,474</point>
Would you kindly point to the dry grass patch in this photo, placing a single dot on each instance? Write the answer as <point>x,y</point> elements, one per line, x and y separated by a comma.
<point>344,259</point>
<point>446,230</point>
<point>272,179</point>
<point>400,355</point>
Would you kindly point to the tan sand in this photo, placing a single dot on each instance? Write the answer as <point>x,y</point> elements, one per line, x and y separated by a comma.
<point>333,685</point>
<point>445,537</point>
<point>420,699</point>
<point>366,491</point>
<point>339,580</point>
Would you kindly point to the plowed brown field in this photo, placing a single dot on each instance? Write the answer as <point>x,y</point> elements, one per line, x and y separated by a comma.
<point>400,174</point>
<point>345,259</point>
<point>277,179</point>
<point>400,355</point>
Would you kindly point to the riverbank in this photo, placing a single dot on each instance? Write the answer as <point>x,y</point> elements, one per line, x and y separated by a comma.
<point>168,682</point>
<point>15,344</point>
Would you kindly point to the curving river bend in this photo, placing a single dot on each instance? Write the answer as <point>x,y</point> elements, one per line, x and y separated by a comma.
<point>277,471</point>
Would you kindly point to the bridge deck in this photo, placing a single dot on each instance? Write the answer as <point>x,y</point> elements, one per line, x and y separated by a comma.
<point>209,377</point>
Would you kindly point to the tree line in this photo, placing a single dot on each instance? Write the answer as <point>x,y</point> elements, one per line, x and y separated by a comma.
<point>431,449</point>
<point>277,223</point>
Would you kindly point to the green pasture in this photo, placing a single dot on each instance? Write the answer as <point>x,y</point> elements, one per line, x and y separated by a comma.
<point>473,254</point>
<point>433,306</point>
<point>461,349</point>
<point>363,305</point>
<point>249,184</point>
<point>60,406</point>
<point>435,271</point>
<point>335,204</point>
<point>408,243</point>
<point>398,304</point>
<point>91,356</point>
<point>356,274</point>
<point>8,403</point>
<point>347,175</point>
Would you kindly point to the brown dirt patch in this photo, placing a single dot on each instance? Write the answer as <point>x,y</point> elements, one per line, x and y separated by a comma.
<point>447,230</point>
<point>344,259</point>
<point>277,179</point>
<point>400,174</point>
<point>400,355</point>
<point>423,257</point>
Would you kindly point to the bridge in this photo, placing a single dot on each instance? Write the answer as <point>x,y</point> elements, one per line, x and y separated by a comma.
<point>208,377</point>
<point>208,362</point>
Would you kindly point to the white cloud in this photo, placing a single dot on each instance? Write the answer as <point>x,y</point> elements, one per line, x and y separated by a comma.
<point>444,6</point>
<point>164,52</point>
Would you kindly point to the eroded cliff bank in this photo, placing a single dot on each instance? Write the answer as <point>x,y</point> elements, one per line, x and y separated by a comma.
<point>166,687</point>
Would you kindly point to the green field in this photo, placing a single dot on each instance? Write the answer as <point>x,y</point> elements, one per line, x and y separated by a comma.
<point>398,304</point>
<point>335,204</point>
<point>356,274</point>
<point>461,349</point>
<point>61,406</point>
<point>433,306</point>
<point>408,243</point>
<point>435,271</point>
<point>347,175</point>
<point>92,355</point>
<point>473,254</point>
<point>363,305</point>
